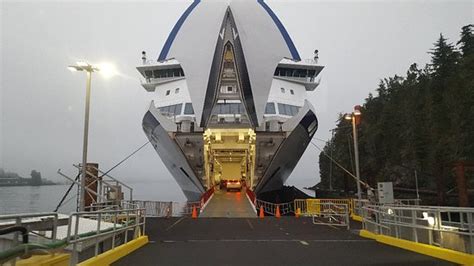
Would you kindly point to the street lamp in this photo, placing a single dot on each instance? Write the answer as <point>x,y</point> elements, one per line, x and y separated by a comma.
<point>84,66</point>
<point>108,71</point>
<point>354,117</point>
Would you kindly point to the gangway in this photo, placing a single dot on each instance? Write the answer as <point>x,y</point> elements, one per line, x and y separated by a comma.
<point>229,204</point>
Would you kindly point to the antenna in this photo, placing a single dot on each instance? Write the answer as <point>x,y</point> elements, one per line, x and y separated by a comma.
<point>316,55</point>
<point>144,57</point>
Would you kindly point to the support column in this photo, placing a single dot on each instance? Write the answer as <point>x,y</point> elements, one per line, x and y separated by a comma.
<point>91,182</point>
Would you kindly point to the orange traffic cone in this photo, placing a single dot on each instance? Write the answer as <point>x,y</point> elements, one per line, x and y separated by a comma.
<point>195,214</point>
<point>277,213</point>
<point>261,213</point>
<point>298,212</point>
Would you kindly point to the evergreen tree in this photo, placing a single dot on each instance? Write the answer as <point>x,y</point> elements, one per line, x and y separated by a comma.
<point>420,122</point>
<point>466,43</point>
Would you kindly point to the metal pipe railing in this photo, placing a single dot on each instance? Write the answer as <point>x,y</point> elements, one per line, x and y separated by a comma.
<point>446,227</point>
<point>109,223</point>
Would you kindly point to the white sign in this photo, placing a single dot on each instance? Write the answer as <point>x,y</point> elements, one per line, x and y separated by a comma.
<point>385,191</point>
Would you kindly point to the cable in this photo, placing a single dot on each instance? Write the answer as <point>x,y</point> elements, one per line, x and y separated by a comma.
<point>126,158</point>
<point>344,169</point>
<point>65,194</point>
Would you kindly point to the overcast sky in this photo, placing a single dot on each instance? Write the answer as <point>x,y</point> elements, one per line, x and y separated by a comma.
<point>42,103</point>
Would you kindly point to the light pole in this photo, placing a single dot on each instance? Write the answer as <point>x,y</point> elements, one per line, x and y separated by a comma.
<point>83,66</point>
<point>354,116</point>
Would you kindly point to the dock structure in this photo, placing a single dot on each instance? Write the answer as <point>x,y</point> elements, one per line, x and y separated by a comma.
<point>268,241</point>
<point>229,204</point>
<point>227,231</point>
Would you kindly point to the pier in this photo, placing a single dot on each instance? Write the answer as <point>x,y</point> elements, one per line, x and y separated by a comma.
<point>302,232</point>
<point>268,241</point>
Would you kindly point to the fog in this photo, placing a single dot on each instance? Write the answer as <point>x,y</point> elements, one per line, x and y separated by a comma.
<point>42,103</point>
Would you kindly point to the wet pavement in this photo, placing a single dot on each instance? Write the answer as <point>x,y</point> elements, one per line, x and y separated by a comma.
<point>268,241</point>
<point>230,205</point>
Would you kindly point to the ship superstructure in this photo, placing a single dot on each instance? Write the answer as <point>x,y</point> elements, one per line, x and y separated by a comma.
<point>229,91</point>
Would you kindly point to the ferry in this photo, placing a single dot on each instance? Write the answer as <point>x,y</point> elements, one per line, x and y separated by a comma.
<point>229,92</point>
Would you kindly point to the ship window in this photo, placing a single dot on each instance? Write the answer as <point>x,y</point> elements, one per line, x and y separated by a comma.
<point>290,72</point>
<point>188,109</point>
<point>176,72</point>
<point>288,109</point>
<point>225,109</point>
<point>234,108</point>
<point>167,92</point>
<point>282,90</point>
<point>164,109</point>
<point>148,74</point>
<point>177,109</point>
<point>176,90</point>
<point>281,109</point>
<point>171,109</point>
<point>270,108</point>
<point>230,89</point>
<point>292,92</point>
<point>294,110</point>
<point>229,108</point>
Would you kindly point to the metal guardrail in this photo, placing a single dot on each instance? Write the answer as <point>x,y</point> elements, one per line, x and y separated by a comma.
<point>270,208</point>
<point>446,227</point>
<point>108,225</point>
<point>329,213</point>
<point>114,222</point>
<point>358,205</point>
<point>308,207</point>
<point>167,208</point>
<point>21,219</point>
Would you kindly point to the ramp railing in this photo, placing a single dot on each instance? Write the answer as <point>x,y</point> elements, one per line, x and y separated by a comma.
<point>446,227</point>
<point>270,208</point>
<point>167,208</point>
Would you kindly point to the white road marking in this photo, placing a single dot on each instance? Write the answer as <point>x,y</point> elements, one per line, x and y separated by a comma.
<point>175,223</point>
<point>250,224</point>
<point>271,240</point>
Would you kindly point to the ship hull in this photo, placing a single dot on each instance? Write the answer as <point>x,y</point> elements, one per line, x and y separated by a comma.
<point>172,156</point>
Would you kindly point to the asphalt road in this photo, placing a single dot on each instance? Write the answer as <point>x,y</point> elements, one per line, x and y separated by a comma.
<point>269,241</point>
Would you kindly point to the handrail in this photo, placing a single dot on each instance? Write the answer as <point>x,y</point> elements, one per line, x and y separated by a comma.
<point>117,222</point>
<point>167,208</point>
<point>446,227</point>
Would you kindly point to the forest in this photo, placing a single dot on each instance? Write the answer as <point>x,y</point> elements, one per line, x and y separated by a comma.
<point>422,122</point>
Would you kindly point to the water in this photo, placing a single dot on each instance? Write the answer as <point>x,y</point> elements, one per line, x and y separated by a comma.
<point>45,198</point>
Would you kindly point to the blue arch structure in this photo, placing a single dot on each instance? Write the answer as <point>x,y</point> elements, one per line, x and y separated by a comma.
<point>175,30</point>
<point>184,16</point>
<point>284,33</point>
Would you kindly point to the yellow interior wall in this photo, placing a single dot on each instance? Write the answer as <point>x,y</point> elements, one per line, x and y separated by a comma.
<point>231,171</point>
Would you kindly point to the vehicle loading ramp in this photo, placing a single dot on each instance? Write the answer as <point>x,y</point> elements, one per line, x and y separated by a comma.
<point>230,205</point>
